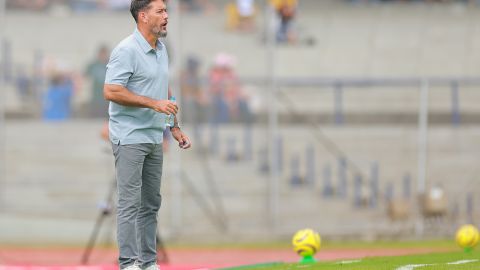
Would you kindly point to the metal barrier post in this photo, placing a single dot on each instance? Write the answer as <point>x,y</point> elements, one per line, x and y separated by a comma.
<point>455,104</point>
<point>357,191</point>
<point>342,177</point>
<point>310,165</point>
<point>407,179</point>
<point>374,185</point>
<point>470,208</point>
<point>389,192</point>
<point>295,177</point>
<point>422,152</point>
<point>177,186</point>
<point>279,144</point>
<point>247,142</point>
<point>273,186</point>
<point>327,190</point>
<point>2,102</point>
<point>338,95</point>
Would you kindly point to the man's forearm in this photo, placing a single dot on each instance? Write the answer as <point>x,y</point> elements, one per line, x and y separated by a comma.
<point>123,96</point>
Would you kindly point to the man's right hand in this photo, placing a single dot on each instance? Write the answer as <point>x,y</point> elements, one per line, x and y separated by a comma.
<point>123,96</point>
<point>165,106</point>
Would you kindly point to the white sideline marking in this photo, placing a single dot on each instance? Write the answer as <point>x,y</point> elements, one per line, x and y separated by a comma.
<point>349,262</point>
<point>412,266</point>
<point>463,261</point>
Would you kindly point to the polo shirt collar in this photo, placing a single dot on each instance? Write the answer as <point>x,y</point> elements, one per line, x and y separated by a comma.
<point>144,43</point>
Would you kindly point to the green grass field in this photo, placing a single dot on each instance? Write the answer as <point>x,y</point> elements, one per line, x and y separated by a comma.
<point>450,261</point>
<point>327,245</point>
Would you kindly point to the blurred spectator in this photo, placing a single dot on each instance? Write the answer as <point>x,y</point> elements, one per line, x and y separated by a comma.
<point>80,6</point>
<point>23,85</point>
<point>415,1</point>
<point>222,81</point>
<point>286,11</point>
<point>28,4</point>
<point>241,15</point>
<point>194,100</point>
<point>196,6</point>
<point>229,101</point>
<point>246,12</point>
<point>118,4</point>
<point>96,72</point>
<point>57,100</point>
<point>104,133</point>
<point>77,6</point>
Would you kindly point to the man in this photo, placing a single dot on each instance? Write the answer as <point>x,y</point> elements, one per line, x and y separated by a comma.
<point>96,72</point>
<point>136,85</point>
<point>286,10</point>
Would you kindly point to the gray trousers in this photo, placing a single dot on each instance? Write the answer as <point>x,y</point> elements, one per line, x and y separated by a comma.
<point>138,170</point>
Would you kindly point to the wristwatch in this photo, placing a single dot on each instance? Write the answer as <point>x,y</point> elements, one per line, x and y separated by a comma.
<point>175,126</point>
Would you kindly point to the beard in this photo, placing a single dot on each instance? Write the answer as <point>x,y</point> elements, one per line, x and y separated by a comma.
<point>158,32</point>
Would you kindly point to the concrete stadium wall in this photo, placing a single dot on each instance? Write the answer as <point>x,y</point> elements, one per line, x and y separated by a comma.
<point>351,40</point>
<point>59,173</point>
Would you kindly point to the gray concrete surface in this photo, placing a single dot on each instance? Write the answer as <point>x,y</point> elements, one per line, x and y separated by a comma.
<point>58,174</point>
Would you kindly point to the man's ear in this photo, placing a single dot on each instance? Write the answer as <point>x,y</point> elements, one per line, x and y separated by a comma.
<point>142,16</point>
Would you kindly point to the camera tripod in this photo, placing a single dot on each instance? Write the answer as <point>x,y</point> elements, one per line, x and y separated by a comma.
<point>105,211</point>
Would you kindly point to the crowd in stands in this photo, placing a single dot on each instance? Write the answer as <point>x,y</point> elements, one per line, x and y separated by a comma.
<point>196,6</point>
<point>222,96</point>
<point>241,16</point>
<point>92,5</point>
<point>52,86</point>
<point>215,96</point>
<point>240,13</point>
<point>416,1</point>
<point>243,8</point>
<point>221,99</point>
<point>75,5</point>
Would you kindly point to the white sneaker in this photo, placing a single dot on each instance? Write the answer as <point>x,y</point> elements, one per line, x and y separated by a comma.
<point>132,267</point>
<point>153,267</point>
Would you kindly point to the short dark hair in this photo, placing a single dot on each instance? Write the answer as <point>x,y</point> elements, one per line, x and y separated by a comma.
<point>138,5</point>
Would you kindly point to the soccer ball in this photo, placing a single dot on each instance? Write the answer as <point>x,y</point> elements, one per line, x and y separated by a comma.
<point>467,236</point>
<point>306,242</point>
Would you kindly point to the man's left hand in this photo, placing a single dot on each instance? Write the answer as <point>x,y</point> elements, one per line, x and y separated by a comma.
<point>181,138</point>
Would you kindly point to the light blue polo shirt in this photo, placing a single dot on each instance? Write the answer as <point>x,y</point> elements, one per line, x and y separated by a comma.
<point>143,70</point>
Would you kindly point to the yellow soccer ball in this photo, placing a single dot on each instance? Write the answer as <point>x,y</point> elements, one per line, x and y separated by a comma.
<point>306,242</point>
<point>467,236</point>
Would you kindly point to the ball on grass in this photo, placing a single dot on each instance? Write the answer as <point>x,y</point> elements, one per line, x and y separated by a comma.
<point>306,242</point>
<point>467,236</point>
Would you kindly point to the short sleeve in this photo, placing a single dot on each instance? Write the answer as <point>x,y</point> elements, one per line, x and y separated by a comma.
<point>119,68</point>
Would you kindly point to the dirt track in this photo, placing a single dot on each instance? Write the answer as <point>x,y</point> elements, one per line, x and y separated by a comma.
<point>184,259</point>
